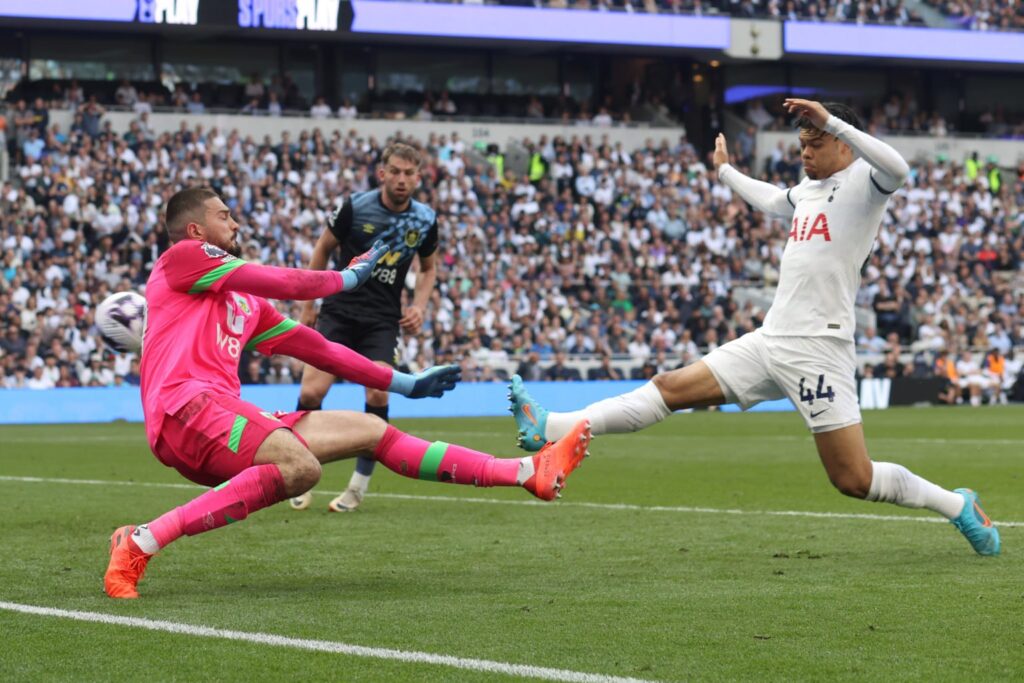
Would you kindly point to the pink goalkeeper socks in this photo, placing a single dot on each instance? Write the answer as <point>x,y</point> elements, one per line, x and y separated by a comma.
<point>440,461</point>
<point>248,491</point>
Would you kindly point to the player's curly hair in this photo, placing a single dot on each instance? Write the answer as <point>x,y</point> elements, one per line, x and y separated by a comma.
<point>186,207</point>
<point>841,111</point>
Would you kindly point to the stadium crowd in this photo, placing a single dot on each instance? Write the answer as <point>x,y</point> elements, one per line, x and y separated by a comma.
<point>982,15</point>
<point>604,253</point>
<point>897,113</point>
<point>978,15</point>
<point>885,11</point>
<point>646,103</point>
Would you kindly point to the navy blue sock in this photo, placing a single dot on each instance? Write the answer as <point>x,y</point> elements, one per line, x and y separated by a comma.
<point>307,406</point>
<point>364,466</point>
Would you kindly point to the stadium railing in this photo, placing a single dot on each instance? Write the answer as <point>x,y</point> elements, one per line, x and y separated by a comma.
<point>469,131</point>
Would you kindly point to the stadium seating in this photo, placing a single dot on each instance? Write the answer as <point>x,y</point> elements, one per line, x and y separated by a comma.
<point>636,254</point>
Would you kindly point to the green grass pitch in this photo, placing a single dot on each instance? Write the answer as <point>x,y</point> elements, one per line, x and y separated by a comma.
<point>641,570</point>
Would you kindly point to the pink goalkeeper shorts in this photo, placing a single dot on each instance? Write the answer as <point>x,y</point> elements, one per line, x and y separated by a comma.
<point>215,436</point>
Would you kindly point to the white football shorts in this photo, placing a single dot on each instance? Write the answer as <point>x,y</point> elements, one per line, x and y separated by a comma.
<point>818,374</point>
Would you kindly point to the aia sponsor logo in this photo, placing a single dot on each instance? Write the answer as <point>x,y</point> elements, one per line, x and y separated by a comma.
<point>808,230</point>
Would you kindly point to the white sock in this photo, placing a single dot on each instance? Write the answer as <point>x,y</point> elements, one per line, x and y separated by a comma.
<point>526,470</point>
<point>145,539</point>
<point>630,412</point>
<point>359,481</point>
<point>896,484</point>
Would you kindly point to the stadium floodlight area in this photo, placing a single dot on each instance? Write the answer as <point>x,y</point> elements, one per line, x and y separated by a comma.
<point>903,42</point>
<point>533,24</point>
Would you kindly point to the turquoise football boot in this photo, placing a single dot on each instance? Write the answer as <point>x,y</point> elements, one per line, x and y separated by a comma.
<point>531,419</point>
<point>975,525</point>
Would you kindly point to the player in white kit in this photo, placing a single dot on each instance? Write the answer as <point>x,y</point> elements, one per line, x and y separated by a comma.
<point>805,350</point>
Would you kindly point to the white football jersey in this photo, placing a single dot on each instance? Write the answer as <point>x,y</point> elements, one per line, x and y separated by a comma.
<point>832,229</point>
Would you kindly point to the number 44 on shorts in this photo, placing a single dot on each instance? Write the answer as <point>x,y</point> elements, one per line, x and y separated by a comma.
<point>808,396</point>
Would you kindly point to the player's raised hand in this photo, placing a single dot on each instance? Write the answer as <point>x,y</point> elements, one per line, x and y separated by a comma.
<point>721,155</point>
<point>434,382</point>
<point>812,111</point>
<point>359,269</point>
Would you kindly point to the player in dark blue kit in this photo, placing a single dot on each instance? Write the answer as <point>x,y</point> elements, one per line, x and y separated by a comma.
<point>368,320</point>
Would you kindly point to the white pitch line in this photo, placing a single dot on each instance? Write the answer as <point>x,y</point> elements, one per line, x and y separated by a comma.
<point>495,501</point>
<point>333,647</point>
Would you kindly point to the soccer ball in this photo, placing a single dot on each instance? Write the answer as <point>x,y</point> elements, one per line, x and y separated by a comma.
<point>121,318</point>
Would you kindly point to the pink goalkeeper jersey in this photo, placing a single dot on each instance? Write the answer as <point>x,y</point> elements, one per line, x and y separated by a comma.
<point>196,330</point>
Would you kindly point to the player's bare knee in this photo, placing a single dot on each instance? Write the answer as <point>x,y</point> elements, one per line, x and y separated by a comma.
<point>374,428</point>
<point>310,472</point>
<point>667,384</point>
<point>852,484</point>
<point>301,474</point>
<point>661,381</point>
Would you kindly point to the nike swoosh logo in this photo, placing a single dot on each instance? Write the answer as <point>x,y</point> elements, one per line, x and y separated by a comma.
<point>819,412</point>
<point>529,413</point>
<point>982,517</point>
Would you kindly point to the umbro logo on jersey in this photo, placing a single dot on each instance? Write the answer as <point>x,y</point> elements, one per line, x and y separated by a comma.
<point>368,228</point>
<point>213,251</point>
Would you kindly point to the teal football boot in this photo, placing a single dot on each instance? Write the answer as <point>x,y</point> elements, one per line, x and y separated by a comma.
<point>531,419</point>
<point>975,525</point>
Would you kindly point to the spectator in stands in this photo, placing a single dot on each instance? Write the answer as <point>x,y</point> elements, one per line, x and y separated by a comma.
<point>132,376</point>
<point>142,105</point>
<point>425,112</point>
<point>180,98</point>
<point>74,96</point>
<point>605,371</point>
<point>535,108</point>
<point>254,89</point>
<point>273,104</point>
<point>996,373</point>
<point>568,272</point>
<point>529,368</point>
<point>253,373</point>
<point>870,342</point>
<point>195,104</point>
<point>320,109</point>
<point>126,95</point>
<point>559,371</point>
<point>92,116</point>
<point>444,106</point>
<point>252,108</point>
<point>347,110</point>
<point>602,118</point>
<point>758,115</point>
<point>972,379</point>
<point>32,148</point>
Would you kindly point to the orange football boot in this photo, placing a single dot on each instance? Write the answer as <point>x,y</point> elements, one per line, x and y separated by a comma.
<point>127,565</point>
<point>556,461</point>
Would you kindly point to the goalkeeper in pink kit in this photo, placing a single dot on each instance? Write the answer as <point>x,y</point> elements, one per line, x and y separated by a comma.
<point>204,307</point>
